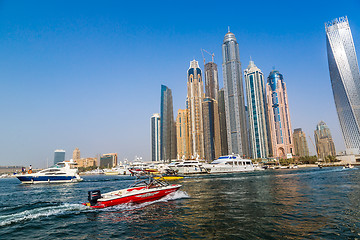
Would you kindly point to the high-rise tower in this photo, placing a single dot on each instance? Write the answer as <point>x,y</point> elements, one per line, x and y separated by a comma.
<point>300,144</point>
<point>59,156</point>
<point>76,154</point>
<point>345,80</point>
<point>212,141</point>
<point>324,142</point>
<point>182,133</point>
<point>211,81</point>
<point>155,137</point>
<point>234,97</point>
<point>279,116</point>
<point>256,100</point>
<point>167,126</point>
<point>195,96</point>
<point>222,120</point>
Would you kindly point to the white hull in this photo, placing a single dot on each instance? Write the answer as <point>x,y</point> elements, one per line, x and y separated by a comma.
<point>191,170</point>
<point>228,169</point>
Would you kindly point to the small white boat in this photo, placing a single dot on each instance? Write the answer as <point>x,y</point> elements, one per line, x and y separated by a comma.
<point>348,166</point>
<point>188,167</point>
<point>62,172</point>
<point>229,164</point>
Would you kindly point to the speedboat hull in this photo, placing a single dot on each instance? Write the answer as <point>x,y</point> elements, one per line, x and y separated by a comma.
<point>133,195</point>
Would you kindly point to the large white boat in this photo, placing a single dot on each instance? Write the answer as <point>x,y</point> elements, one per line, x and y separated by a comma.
<point>229,164</point>
<point>62,172</point>
<point>188,167</point>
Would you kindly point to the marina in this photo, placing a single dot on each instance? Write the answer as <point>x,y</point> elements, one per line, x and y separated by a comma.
<point>273,204</point>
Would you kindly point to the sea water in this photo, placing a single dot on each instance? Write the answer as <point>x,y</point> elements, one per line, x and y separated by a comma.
<point>273,204</point>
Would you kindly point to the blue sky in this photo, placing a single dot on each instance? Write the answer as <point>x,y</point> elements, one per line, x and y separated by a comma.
<point>87,74</point>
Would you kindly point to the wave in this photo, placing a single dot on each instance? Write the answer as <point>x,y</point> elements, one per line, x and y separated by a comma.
<point>48,211</point>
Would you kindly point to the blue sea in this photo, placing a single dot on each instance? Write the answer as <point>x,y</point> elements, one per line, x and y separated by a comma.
<point>308,203</point>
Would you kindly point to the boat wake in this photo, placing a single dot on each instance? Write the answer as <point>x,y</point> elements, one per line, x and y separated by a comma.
<point>40,212</point>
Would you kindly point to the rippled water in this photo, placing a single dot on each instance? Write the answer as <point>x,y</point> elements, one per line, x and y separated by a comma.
<point>273,204</point>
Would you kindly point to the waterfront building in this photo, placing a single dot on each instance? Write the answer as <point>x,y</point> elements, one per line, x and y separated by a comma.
<point>222,122</point>
<point>211,81</point>
<point>59,156</point>
<point>155,137</point>
<point>168,149</point>
<point>280,130</point>
<point>108,160</point>
<point>76,154</point>
<point>345,80</point>
<point>256,100</point>
<point>234,97</point>
<point>86,162</point>
<point>324,143</point>
<point>300,144</point>
<point>182,133</point>
<point>195,95</point>
<point>212,141</point>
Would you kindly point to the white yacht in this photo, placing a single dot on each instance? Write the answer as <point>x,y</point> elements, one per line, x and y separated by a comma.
<point>188,167</point>
<point>62,172</point>
<point>229,164</point>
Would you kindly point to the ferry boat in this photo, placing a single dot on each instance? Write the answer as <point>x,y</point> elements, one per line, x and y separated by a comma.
<point>188,167</point>
<point>143,190</point>
<point>62,172</point>
<point>229,164</point>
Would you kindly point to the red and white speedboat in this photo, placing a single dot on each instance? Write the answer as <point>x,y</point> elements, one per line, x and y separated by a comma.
<point>143,190</point>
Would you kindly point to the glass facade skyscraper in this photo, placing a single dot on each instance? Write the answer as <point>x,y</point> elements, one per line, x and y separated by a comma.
<point>155,137</point>
<point>256,100</point>
<point>167,126</point>
<point>237,133</point>
<point>345,80</point>
<point>59,156</point>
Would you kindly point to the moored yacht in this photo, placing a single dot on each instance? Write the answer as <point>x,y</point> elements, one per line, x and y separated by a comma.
<point>188,167</point>
<point>229,164</point>
<point>62,172</point>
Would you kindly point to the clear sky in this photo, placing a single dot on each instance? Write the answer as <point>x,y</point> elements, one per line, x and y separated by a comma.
<point>87,74</point>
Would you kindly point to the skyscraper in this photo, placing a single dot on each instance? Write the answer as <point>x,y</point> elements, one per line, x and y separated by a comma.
<point>155,137</point>
<point>300,144</point>
<point>323,140</point>
<point>222,120</point>
<point>345,80</point>
<point>279,116</point>
<point>256,100</point>
<point>167,126</point>
<point>182,133</point>
<point>59,156</point>
<point>211,81</point>
<point>234,97</point>
<point>108,160</point>
<point>212,142</point>
<point>195,95</point>
<point>211,121</point>
<point>76,154</point>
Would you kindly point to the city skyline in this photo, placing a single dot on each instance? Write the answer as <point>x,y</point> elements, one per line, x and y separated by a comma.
<point>65,67</point>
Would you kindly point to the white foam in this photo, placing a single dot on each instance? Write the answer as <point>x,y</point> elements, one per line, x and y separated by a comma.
<point>36,213</point>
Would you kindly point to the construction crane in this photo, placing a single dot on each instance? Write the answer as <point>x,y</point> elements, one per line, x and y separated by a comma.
<point>313,145</point>
<point>211,54</point>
